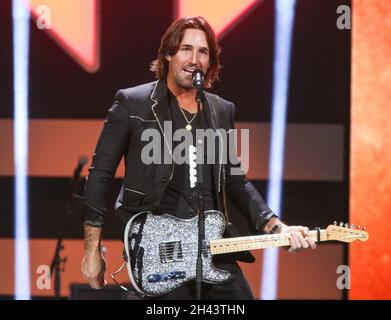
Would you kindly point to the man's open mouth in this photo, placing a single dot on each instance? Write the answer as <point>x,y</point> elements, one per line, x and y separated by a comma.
<point>189,70</point>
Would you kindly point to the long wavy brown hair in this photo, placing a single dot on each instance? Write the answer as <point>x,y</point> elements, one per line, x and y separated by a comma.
<point>171,40</point>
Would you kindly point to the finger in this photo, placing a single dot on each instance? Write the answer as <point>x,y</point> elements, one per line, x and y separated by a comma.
<point>303,242</point>
<point>292,248</point>
<point>292,243</point>
<point>295,243</point>
<point>101,279</point>
<point>311,243</point>
<point>95,283</point>
<point>305,231</point>
<point>299,245</point>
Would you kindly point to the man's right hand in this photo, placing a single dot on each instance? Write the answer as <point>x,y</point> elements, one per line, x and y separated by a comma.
<point>93,265</point>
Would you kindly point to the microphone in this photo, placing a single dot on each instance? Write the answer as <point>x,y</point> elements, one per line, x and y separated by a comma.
<point>198,79</point>
<point>82,161</point>
<point>76,191</point>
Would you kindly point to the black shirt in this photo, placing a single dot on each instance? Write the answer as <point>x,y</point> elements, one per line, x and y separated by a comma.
<point>180,197</point>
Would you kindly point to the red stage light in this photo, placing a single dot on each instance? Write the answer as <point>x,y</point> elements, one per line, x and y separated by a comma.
<point>221,14</point>
<point>74,25</point>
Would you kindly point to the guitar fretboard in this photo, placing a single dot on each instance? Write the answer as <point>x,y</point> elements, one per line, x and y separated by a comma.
<point>228,245</point>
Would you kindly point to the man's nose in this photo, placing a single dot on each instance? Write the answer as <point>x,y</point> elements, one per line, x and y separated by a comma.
<point>195,59</point>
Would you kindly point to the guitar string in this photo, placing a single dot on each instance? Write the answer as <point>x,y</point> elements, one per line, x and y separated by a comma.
<point>218,250</point>
<point>274,239</point>
<point>284,241</point>
<point>280,241</point>
<point>171,249</point>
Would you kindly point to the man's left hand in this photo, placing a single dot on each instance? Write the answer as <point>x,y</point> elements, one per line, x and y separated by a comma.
<point>299,238</point>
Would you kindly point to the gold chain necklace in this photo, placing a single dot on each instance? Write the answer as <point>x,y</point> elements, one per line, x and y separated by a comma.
<point>188,126</point>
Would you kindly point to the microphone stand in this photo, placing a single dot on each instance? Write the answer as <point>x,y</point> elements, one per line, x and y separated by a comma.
<point>200,208</point>
<point>57,261</point>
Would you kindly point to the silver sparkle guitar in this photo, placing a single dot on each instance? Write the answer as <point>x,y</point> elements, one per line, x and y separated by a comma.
<point>161,250</point>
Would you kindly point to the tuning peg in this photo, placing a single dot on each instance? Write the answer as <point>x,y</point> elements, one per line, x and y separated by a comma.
<point>358,227</point>
<point>346,225</point>
<point>364,228</point>
<point>335,223</point>
<point>352,226</point>
<point>341,224</point>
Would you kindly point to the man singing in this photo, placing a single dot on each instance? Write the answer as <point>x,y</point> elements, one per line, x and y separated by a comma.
<point>168,187</point>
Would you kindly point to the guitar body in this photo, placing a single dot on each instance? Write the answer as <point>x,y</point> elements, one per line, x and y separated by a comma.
<point>162,251</point>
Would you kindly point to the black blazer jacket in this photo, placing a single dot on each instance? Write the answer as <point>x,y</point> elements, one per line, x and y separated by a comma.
<point>145,107</point>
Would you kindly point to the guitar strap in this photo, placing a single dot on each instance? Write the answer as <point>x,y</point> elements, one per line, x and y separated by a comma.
<point>137,257</point>
<point>138,252</point>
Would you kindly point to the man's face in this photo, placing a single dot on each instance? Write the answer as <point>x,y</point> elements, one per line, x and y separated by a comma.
<point>193,53</point>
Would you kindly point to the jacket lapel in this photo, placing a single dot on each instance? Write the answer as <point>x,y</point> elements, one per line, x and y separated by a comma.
<point>212,118</point>
<point>160,110</point>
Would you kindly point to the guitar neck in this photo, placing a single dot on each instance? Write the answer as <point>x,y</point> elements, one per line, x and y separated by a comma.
<point>229,245</point>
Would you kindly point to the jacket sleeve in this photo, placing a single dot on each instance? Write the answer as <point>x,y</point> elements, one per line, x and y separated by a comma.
<point>111,147</point>
<point>242,192</point>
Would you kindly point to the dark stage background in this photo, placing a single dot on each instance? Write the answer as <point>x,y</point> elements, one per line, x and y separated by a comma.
<point>318,116</point>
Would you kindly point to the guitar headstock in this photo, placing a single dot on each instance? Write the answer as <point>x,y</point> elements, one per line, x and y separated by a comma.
<point>344,233</point>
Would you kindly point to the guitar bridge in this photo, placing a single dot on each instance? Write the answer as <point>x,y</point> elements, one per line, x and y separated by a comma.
<point>170,251</point>
<point>164,277</point>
